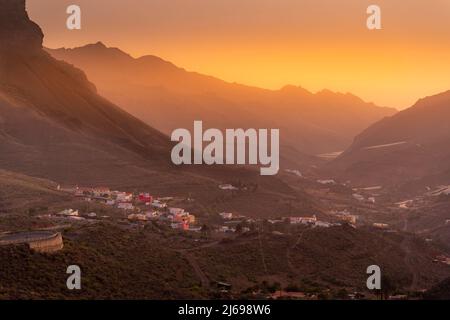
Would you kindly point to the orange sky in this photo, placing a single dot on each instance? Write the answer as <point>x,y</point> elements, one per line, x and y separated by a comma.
<point>269,43</point>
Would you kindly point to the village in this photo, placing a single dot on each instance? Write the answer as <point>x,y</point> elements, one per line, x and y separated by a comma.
<point>141,208</point>
<point>176,217</point>
<point>135,208</point>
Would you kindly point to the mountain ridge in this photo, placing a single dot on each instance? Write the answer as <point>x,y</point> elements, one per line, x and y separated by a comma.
<point>409,146</point>
<point>168,97</point>
<point>55,125</point>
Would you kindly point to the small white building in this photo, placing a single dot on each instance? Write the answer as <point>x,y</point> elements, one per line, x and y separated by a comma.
<point>226,215</point>
<point>68,213</point>
<point>152,214</point>
<point>303,220</point>
<point>77,218</point>
<point>124,196</point>
<point>125,206</point>
<point>158,204</point>
<point>327,181</point>
<point>176,211</point>
<point>226,229</point>
<point>227,187</point>
<point>323,224</point>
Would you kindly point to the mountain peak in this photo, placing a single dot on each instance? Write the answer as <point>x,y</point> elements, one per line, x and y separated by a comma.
<point>291,89</point>
<point>17,32</point>
<point>99,44</point>
<point>98,50</point>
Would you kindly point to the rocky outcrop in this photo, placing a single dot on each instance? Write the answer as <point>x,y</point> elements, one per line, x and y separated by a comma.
<point>52,121</point>
<point>17,32</point>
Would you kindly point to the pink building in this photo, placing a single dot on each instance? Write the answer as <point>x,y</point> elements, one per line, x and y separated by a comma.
<point>145,197</point>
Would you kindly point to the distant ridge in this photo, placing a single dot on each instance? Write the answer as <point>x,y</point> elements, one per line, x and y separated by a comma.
<point>168,97</point>
<point>413,146</point>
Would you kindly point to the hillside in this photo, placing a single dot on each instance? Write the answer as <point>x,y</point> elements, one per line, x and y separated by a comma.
<point>410,147</point>
<point>54,125</point>
<point>168,97</point>
<point>132,264</point>
<point>18,191</point>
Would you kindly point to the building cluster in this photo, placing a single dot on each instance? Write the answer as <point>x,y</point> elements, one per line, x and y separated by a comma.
<point>311,221</point>
<point>346,217</point>
<point>177,218</point>
<point>140,207</point>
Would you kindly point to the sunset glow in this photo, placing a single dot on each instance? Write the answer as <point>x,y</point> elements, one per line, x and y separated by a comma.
<point>313,44</point>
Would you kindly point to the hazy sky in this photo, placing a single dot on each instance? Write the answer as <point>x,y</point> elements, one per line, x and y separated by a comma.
<point>269,43</point>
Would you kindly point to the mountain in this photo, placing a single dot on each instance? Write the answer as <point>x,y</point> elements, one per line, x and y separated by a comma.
<point>52,115</point>
<point>168,97</point>
<point>411,147</point>
<point>54,125</point>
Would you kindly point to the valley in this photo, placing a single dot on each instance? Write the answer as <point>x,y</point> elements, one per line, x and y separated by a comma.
<point>357,184</point>
<point>255,257</point>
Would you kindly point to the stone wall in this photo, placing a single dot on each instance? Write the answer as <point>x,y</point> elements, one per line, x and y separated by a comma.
<point>45,242</point>
<point>49,245</point>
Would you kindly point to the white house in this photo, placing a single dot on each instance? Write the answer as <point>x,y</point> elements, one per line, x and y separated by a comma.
<point>323,224</point>
<point>124,196</point>
<point>152,214</point>
<point>303,220</point>
<point>176,211</point>
<point>226,229</point>
<point>226,215</point>
<point>68,213</point>
<point>158,204</point>
<point>125,206</point>
<point>227,187</point>
<point>110,202</point>
<point>328,181</point>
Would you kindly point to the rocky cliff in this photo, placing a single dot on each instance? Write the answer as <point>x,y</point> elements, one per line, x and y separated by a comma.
<point>17,31</point>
